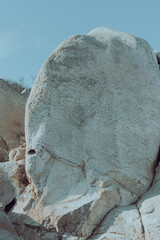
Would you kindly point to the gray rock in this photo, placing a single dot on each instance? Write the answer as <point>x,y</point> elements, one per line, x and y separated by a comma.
<point>7,192</point>
<point>120,224</point>
<point>149,206</point>
<point>7,231</point>
<point>92,130</point>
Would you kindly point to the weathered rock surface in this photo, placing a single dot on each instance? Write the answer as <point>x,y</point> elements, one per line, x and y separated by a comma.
<point>149,206</point>
<point>7,231</point>
<point>120,224</point>
<point>13,181</point>
<point>12,112</point>
<point>137,221</point>
<point>92,144</point>
<point>7,193</point>
<point>92,137</point>
<point>18,153</point>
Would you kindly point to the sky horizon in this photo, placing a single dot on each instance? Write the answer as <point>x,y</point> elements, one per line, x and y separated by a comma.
<point>31,30</point>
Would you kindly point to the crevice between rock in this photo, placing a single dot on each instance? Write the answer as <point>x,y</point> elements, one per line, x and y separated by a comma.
<point>10,205</point>
<point>142,226</point>
<point>154,167</point>
<point>95,229</point>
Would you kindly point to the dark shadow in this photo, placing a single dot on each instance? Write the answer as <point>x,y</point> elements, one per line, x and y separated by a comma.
<point>31,152</point>
<point>28,229</point>
<point>9,206</point>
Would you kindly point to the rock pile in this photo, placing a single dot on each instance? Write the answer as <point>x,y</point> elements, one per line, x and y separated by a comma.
<point>92,131</point>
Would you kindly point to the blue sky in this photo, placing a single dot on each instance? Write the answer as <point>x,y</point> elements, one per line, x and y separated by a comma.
<point>31,30</point>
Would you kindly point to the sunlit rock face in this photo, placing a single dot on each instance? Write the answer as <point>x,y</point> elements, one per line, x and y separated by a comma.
<point>92,129</point>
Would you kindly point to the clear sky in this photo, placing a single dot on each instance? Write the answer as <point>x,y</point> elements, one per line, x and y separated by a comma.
<point>30,30</point>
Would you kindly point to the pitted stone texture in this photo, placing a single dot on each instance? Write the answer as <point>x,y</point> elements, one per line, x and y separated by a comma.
<point>92,123</point>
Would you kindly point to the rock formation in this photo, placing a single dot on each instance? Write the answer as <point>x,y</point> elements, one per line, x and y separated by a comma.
<point>7,231</point>
<point>17,153</point>
<point>92,144</point>
<point>13,178</point>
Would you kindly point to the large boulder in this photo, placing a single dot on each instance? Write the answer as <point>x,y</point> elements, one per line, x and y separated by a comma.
<point>92,131</point>
<point>13,98</point>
